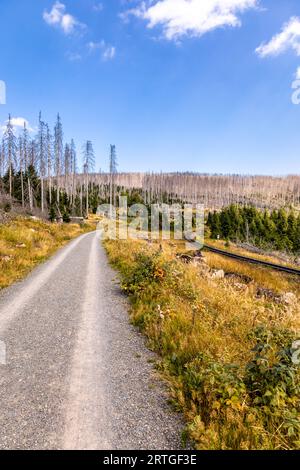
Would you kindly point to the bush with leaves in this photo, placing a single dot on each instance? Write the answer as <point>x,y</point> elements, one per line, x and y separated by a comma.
<point>217,394</point>
<point>273,383</point>
<point>146,270</point>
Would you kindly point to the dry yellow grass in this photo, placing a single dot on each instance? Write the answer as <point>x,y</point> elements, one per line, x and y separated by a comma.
<point>186,314</point>
<point>233,248</point>
<point>264,277</point>
<point>26,242</point>
<point>233,309</point>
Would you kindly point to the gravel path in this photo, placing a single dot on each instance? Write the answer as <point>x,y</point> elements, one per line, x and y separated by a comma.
<point>78,375</point>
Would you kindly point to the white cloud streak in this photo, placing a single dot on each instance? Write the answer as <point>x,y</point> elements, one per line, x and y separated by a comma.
<point>108,52</point>
<point>288,38</point>
<point>180,18</point>
<point>17,122</point>
<point>98,7</point>
<point>58,17</point>
<point>74,56</point>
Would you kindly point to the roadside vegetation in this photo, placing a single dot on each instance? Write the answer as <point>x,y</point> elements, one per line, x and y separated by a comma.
<point>225,333</point>
<point>26,242</point>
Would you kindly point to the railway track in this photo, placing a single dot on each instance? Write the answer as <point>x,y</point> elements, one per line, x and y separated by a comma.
<point>277,267</point>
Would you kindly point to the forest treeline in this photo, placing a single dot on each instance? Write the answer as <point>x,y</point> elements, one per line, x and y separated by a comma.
<point>40,171</point>
<point>67,177</point>
<point>214,191</point>
<point>277,229</point>
<point>44,172</point>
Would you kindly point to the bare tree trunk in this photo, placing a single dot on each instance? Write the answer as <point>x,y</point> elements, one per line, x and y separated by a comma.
<point>57,191</point>
<point>30,195</point>
<point>42,194</point>
<point>10,180</point>
<point>22,189</point>
<point>50,190</point>
<point>111,194</point>
<point>87,197</point>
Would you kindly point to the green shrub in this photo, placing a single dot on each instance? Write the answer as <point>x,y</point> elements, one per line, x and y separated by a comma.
<point>273,382</point>
<point>7,207</point>
<point>146,270</point>
<point>66,217</point>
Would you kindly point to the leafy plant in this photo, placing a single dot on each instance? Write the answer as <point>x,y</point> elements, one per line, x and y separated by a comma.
<point>146,270</point>
<point>273,382</point>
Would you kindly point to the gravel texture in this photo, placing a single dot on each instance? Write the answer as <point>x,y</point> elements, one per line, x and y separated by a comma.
<point>78,375</point>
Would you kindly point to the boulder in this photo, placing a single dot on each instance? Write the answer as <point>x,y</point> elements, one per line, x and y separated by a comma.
<point>289,298</point>
<point>268,294</point>
<point>219,274</point>
<point>6,258</point>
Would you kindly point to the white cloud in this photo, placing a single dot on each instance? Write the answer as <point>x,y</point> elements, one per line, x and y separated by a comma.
<point>60,18</point>
<point>18,123</point>
<point>98,7</point>
<point>93,46</point>
<point>191,17</point>
<point>108,52</point>
<point>74,56</point>
<point>288,38</point>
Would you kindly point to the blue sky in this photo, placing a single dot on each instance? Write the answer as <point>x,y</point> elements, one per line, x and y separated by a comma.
<point>176,85</point>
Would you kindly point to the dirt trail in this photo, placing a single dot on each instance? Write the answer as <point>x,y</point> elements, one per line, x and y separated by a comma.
<point>78,375</point>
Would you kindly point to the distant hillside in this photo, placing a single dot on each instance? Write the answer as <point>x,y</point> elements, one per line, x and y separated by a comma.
<point>214,191</point>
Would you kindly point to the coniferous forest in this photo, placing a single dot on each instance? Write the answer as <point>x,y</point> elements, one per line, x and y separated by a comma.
<point>42,172</point>
<point>276,229</point>
<point>39,171</point>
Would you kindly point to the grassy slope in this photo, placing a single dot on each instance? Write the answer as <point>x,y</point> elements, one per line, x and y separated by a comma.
<point>205,331</point>
<point>25,242</point>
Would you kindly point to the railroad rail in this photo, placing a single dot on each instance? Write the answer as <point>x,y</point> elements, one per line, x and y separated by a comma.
<point>277,267</point>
